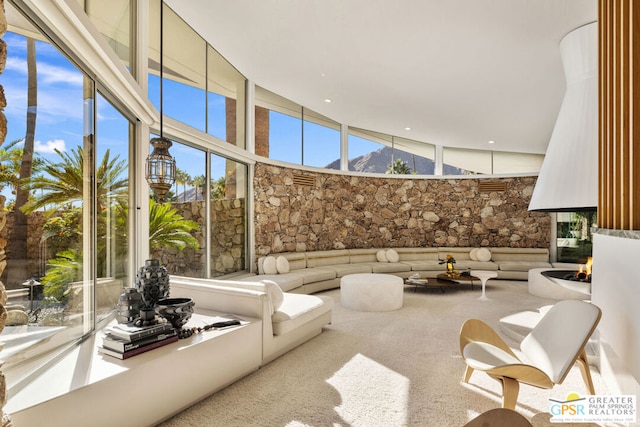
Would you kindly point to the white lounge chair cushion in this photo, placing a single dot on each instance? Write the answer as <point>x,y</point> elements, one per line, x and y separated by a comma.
<point>484,356</point>
<point>552,345</point>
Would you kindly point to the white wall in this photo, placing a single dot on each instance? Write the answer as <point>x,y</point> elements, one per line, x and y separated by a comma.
<point>615,289</point>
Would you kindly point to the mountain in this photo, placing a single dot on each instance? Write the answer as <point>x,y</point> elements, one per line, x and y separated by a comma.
<point>378,162</point>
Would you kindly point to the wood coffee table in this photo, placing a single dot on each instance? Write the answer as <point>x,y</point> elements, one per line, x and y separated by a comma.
<point>458,279</point>
<point>431,282</point>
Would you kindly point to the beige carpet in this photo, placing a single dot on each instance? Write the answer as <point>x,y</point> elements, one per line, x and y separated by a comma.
<point>400,368</point>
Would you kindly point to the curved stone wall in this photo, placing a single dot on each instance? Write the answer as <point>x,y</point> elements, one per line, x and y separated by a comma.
<point>297,210</point>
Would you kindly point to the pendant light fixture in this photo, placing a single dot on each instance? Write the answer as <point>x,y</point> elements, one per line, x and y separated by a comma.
<point>161,167</point>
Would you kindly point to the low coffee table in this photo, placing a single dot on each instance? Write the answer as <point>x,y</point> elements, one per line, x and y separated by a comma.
<point>458,279</point>
<point>431,282</point>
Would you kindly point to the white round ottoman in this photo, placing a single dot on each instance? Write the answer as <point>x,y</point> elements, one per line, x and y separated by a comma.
<point>371,292</point>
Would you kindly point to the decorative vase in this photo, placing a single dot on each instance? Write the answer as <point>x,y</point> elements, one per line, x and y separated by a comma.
<point>449,267</point>
<point>129,305</point>
<point>177,311</point>
<point>152,281</point>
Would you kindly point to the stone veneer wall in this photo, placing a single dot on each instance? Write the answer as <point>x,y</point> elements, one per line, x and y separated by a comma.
<point>339,211</point>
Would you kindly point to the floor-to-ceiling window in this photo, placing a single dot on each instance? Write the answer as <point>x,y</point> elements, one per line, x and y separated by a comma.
<point>177,227</point>
<point>228,195</point>
<point>113,140</point>
<point>65,179</point>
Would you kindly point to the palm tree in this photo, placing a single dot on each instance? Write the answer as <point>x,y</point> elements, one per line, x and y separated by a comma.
<point>199,182</point>
<point>10,163</point>
<point>398,167</point>
<point>183,178</point>
<point>17,259</point>
<point>218,188</point>
<point>62,183</point>
<point>167,228</point>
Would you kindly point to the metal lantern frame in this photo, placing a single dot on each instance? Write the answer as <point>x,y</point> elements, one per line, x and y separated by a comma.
<point>161,168</point>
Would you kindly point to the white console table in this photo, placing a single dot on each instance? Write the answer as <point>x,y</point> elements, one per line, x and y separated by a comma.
<point>89,388</point>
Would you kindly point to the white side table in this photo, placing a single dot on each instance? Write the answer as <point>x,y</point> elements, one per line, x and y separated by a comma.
<point>484,276</point>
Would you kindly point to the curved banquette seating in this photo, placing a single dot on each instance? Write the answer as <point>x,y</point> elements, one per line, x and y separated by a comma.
<point>314,271</point>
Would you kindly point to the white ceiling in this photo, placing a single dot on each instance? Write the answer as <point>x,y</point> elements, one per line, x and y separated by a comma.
<point>457,72</point>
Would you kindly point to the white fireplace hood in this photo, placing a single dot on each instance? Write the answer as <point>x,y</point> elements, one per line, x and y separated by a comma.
<point>568,179</point>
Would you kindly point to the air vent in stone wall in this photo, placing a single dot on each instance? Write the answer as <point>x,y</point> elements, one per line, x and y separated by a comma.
<point>490,187</point>
<point>299,179</point>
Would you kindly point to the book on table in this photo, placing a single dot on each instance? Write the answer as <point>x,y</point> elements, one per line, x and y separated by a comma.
<point>115,343</point>
<point>129,332</point>
<point>138,350</point>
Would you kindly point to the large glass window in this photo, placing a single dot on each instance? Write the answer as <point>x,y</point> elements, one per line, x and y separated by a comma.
<point>113,137</point>
<point>288,132</point>
<point>177,227</point>
<point>184,68</point>
<point>278,127</point>
<point>49,231</point>
<point>113,20</point>
<point>376,152</point>
<point>228,215</point>
<point>225,100</point>
<point>320,141</point>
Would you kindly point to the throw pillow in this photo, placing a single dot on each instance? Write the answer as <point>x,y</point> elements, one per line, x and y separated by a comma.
<point>381,256</point>
<point>392,255</point>
<point>275,293</point>
<point>282,265</point>
<point>483,254</point>
<point>269,265</point>
<point>473,255</point>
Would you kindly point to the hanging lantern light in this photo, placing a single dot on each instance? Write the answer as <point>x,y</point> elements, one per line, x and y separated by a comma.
<point>161,167</point>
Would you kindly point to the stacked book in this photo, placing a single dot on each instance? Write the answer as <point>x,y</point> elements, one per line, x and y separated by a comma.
<point>126,340</point>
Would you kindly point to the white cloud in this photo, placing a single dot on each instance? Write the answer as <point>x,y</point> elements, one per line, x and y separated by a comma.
<point>50,146</point>
<point>48,73</point>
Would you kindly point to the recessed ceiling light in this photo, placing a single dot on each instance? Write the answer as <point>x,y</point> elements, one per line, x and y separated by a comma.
<point>407,128</point>
<point>492,142</point>
<point>327,100</point>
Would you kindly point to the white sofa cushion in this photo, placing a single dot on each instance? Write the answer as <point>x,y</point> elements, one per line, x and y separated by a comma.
<point>392,255</point>
<point>269,265</point>
<point>381,256</point>
<point>483,254</point>
<point>315,274</point>
<point>282,265</point>
<point>297,310</point>
<point>473,254</point>
<point>275,293</point>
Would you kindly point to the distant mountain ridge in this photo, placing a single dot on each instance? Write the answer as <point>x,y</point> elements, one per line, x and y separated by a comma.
<point>378,162</point>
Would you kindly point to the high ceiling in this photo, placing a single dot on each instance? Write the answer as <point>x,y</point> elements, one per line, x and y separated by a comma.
<point>457,72</point>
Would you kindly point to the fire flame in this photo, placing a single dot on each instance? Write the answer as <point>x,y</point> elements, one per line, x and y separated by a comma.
<point>585,269</point>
